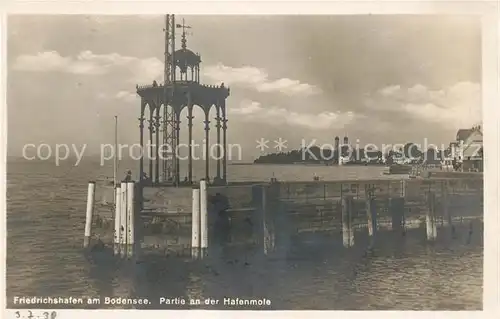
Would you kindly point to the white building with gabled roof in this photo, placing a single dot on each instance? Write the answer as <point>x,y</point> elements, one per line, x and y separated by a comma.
<point>469,148</point>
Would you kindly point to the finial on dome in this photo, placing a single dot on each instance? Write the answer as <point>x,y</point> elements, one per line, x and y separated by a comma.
<point>183,39</point>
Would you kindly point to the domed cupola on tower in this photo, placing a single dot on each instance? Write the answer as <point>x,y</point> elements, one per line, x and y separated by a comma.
<point>186,62</point>
<point>181,89</point>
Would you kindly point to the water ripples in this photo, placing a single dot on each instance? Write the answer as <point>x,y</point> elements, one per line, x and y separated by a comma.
<point>45,221</point>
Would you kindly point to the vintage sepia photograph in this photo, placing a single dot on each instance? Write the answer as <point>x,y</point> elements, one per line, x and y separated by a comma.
<point>244,162</point>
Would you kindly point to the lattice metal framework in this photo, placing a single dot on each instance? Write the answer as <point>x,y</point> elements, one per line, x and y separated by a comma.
<point>169,162</point>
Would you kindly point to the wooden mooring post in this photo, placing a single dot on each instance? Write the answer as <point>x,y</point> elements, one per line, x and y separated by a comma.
<point>89,214</point>
<point>403,188</point>
<point>396,209</point>
<point>347,225</point>
<point>203,219</point>
<point>262,227</point>
<point>430,217</point>
<point>266,231</point>
<point>126,219</point>
<point>131,207</point>
<point>123,219</point>
<point>278,222</point>
<point>117,221</point>
<point>371,216</point>
<point>445,204</point>
<point>270,202</point>
<point>195,224</point>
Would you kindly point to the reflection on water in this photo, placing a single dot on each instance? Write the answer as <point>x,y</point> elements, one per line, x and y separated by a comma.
<point>45,220</point>
<point>194,287</point>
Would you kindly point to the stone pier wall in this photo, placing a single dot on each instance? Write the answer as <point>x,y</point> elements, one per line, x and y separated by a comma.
<point>289,209</point>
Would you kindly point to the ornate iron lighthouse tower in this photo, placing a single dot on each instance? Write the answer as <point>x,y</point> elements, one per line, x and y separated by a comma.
<point>181,89</point>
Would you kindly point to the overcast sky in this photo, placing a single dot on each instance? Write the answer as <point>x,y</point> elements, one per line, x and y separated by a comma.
<point>379,79</point>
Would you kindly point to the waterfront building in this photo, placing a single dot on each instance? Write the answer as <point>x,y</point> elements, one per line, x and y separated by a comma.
<point>469,148</point>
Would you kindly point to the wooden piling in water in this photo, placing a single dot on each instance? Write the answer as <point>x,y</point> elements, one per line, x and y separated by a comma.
<point>130,233</point>
<point>203,219</point>
<point>396,209</point>
<point>347,229</point>
<point>266,231</point>
<point>138,222</point>
<point>430,217</point>
<point>445,203</point>
<point>89,214</point>
<point>117,232</point>
<point>279,232</point>
<point>195,224</point>
<point>261,229</point>
<point>403,188</point>
<point>371,215</point>
<point>123,219</point>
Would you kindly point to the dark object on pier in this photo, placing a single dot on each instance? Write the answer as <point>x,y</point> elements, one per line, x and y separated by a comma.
<point>457,166</point>
<point>400,169</point>
<point>220,202</point>
<point>128,177</point>
<point>218,181</point>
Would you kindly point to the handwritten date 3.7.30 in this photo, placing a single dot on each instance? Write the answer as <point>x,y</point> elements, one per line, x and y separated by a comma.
<point>28,314</point>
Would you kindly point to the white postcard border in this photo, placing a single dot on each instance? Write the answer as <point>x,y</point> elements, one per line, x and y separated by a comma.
<point>490,91</point>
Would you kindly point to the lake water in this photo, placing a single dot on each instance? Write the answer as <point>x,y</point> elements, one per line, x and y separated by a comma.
<point>45,221</point>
